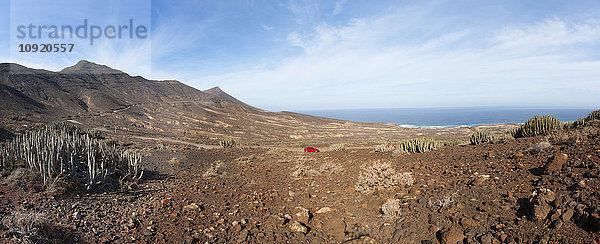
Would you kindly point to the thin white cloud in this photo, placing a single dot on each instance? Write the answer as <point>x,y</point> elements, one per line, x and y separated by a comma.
<point>339,6</point>
<point>549,34</point>
<point>267,27</point>
<point>357,65</point>
<point>305,11</point>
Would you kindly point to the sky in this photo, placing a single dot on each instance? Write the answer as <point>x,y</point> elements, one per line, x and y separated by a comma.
<point>311,55</point>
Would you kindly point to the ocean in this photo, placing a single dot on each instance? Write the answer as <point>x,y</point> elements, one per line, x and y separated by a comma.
<point>448,117</point>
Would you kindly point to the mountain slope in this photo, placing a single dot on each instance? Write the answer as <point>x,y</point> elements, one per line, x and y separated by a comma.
<point>110,100</point>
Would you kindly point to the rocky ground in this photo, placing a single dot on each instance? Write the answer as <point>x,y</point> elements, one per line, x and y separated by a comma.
<point>530,190</point>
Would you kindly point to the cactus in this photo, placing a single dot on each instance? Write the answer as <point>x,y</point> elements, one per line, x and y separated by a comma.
<point>228,142</point>
<point>49,153</point>
<point>481,137</point>
<point>420,145</point>
<point>538,125</point>
<point>595,115</point>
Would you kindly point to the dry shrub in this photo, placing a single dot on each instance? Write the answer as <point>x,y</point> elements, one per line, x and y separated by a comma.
<point>392,208</point>
<point>338,147</point>
<point>216,170</point>
<point>381,175</point>
<point>383,148</point>
<point>19,178</point>
<point>27,227</point>
<point>303,171</point>
<point>564,137</point>
<point>247,160</point>
<point>540,147</point>
<point>175,162</point>
<point>443,202</point>
<point>330,168</point>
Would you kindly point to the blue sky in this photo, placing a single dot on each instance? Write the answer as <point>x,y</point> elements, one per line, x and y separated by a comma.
<point>305,55</point>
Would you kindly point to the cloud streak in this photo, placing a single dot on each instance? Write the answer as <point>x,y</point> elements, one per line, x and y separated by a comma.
<point>358,66</point>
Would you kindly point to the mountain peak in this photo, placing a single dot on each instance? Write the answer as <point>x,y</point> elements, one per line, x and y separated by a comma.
<point>214,90</point>
<point>88,67</point>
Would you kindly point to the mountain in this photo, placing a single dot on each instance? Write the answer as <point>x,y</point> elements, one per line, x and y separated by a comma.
<point>110,100</point>
<point>87,67</point>
<point>216,91</point>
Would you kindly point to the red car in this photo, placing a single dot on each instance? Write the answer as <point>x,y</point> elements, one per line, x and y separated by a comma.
<point>311,149</point>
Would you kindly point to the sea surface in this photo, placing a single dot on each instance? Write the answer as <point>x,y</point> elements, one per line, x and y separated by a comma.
<point>448,117</point>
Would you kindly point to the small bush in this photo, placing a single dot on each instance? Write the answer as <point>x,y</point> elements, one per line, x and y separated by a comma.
<point>443,202</point>
<point>338,147</point>
<point>228,142</point>
<point>27,227</point>
<point>540,147</point>
<point>330,168</point>
<point>564,138</point>
<point>481,137</point>
<point>19,179</point>
<point>175,162</point>
<point>384,148</point>
<point>247,161</point>
<point>16,117</point>
<point>454,142</point>
<point>538,125</point>
<point>381,175</point>
<point>304,171</point>
<point>392,208</point>
<point>216,170</point>
<point>304,144</point>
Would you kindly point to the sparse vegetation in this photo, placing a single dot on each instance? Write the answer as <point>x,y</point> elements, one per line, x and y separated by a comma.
<point>71,128</point>
<point>481,137</point>
<point>538,125</point>
<point>540,147</point>
<point>16,117</point>
<point>381,175</point>
<point>338,147</point>
<point>174,162</point>
<point>247,160</point>
<point>384,148</point>
<point>392,208</point>
<point>216,170</point>
<point>29,227</point>
<point>454,142</point>
<point>443,202</point>
<point>303,171</point>
<point>304,144</point>
<point>49,154</point>
<point>228,142</point>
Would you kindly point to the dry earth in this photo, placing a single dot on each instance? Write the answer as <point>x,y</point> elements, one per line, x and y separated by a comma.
<point>490,193</point>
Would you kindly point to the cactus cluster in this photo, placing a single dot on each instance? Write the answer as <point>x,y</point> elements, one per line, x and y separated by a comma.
<point>228,142</point>
<point>49,154</point>
<point>595,115</point>
<point>538,125</point>
<point>419,145</point>
<point>481,137</point>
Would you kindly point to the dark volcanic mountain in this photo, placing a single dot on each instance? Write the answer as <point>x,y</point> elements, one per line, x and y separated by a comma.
<point>113,101</point>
